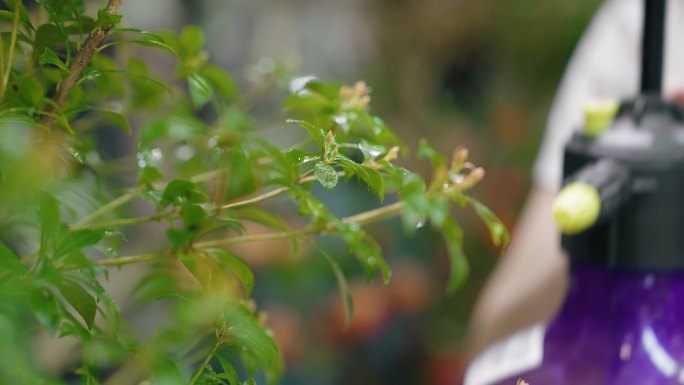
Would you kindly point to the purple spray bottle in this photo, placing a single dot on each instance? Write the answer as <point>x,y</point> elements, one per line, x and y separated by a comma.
<point>621,213</point>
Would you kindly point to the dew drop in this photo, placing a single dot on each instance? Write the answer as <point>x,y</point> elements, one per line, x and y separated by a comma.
<point>456,178</point>
<point>298,84</point>
<point>156,154</point>
<point>185,152</point>
<point>340,119</point>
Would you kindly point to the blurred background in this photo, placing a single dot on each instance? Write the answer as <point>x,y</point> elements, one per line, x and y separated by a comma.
<point>480,74</point>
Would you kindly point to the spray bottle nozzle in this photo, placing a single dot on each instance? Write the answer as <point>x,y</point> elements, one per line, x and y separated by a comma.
<point>591,196</point>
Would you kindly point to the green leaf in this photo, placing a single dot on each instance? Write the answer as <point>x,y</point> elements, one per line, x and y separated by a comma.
<point>10,261</point>
<point>50,57</point>
<point>370,176</point>
<point>200,90</point>
<point>176,128</point>
<point>105,19</point>
<point>77,240</point>
<point>116,118</point>
<point>179,238</point>
<point>262,216</point>
<point>166,372</point>
<point>497,230</point>
<point>236,266</point>
<point>366,250</point>
<point>190,40</point>
<point>343,287</point>
<point>438,210</point>
<point>80,299</point>
<point>371,151</point>
<point>193,215</point>
<point>453,236</point>
<point>71,150</point>
<point>46,307</point>
<point>48,210</point>
<point>182,190</point>
<point>8,16</point>
<point>426,151</point>
<point>256,341</point>
<point>156,285</point>
<point>326,175</point>
<point>47,36</point>
<point>221,81</point>
<point>229,372</point>
<point>241,180</point>
<point>30,90</point>
<point>299,157</point>
<point>59,22</point>
<point>310,205</point>
<point>315,133</point>
<point>415,211</point>
<point>147,42</point>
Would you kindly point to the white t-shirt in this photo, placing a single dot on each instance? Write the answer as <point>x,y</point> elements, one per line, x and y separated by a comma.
<point>606,64</point>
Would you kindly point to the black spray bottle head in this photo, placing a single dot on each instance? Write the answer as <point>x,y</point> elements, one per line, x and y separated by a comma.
<point>623,201</point>
<point>622,205</point>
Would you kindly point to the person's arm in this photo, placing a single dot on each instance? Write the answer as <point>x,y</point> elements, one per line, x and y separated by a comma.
<point>528,283</point>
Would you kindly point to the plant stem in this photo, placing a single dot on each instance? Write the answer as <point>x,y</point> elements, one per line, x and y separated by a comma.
<point>256,199</point>
<point>220,339</point>
<point>132,259</point>
<point>359,219</point>
<point>124,221</point>
<point>376,214</point>
<point>103,209</point>
<point>258,237</point>
<point>10,53</point>
<point>90,46</point>
<point>123,199</point>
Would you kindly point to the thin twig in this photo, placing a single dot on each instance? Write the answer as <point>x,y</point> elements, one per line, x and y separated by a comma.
<point>359,219</point>
<point>124,221</point>
<point>125,198</point>
<point>132,259</point>
<point>376,214</point>
<point>103,209</point>
<point>220,339</point>
<point>10,54</point>
<point>256,199</point>
<point>90,46</point>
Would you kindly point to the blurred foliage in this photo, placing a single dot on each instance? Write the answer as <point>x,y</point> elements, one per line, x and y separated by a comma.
<point>74,97</point>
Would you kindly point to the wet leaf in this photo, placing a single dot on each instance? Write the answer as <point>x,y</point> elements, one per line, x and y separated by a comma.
<point>453,236</point>
<point>9,261</point>
<point>49,220</point>
<point>77,240</point>
<point>237,267</point>
<point>326,175</point>
<point>343,288</point>
<point>80,299</point>
<point>221,81</point>
<point>314,132</point>
<point>201,92</point>
<point>497,230</point>
<point>50,57</point>
<point>105,19</point>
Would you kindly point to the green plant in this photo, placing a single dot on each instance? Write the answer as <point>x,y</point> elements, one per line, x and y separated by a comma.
<point>66,76</point>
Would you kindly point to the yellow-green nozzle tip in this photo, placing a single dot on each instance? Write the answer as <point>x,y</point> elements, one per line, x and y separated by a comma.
<point>598,115</point>
<point>576,207</point>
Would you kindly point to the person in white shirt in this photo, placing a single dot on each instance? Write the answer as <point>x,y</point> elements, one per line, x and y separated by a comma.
<point>529,282</point>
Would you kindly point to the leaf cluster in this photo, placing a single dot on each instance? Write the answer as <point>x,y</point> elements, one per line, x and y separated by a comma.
<point>203,168</point>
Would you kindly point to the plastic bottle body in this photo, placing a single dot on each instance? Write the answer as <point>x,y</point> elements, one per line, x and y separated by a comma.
<point>615,328</point>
